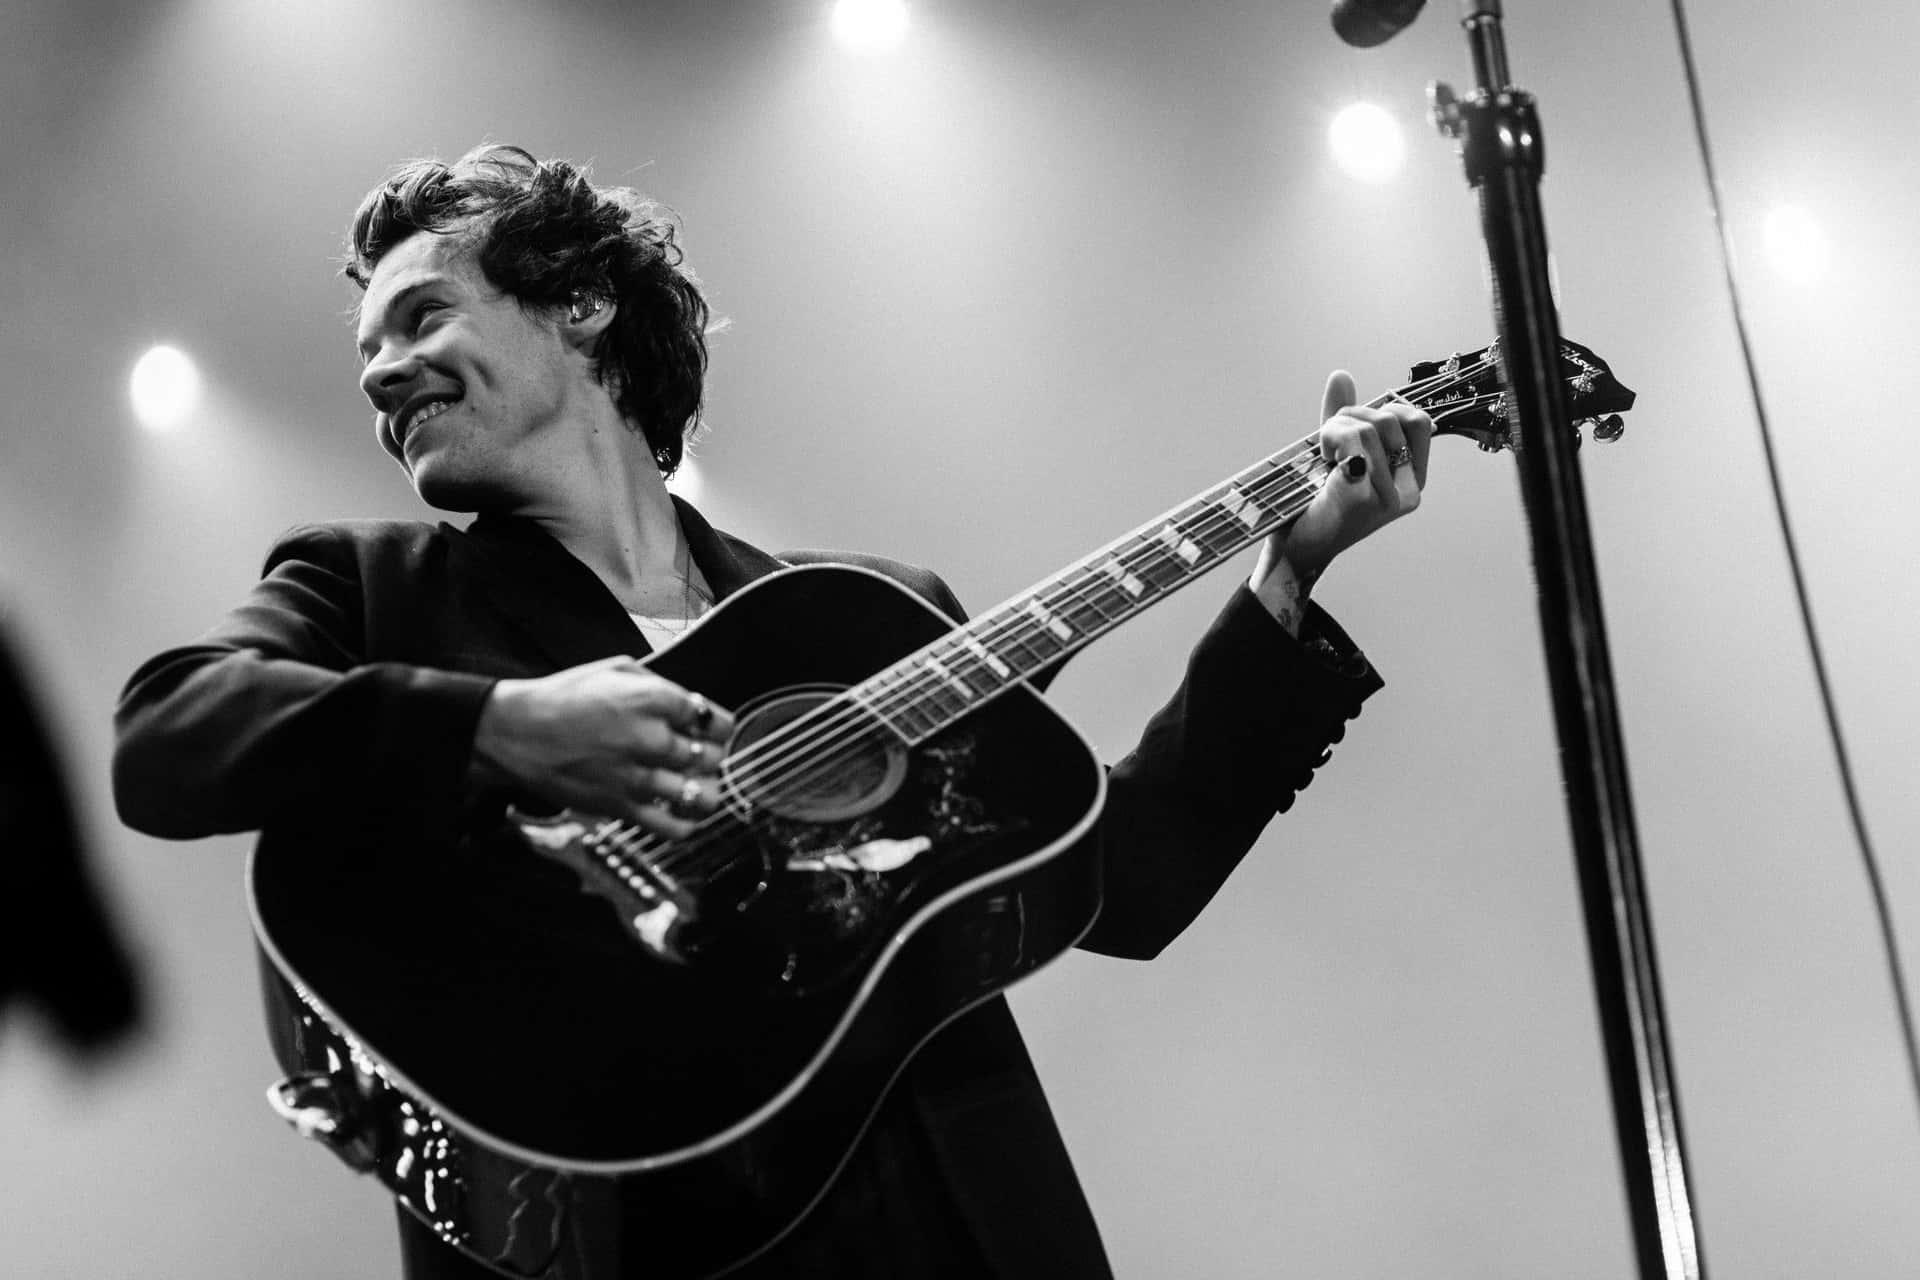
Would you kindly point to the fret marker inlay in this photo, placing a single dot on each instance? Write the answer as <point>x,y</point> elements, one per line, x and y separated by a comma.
<point>1047,620</point>
<point>1244,508</point>
<point>1128,583</point>
<point>961,686</point>
<point>986,655</point>
<point>1178,544</point>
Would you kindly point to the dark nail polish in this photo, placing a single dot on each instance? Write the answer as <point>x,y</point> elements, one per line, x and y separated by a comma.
<point>1355,467</point>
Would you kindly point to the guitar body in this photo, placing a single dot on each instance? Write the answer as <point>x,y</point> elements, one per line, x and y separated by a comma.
<point>558,1099</point>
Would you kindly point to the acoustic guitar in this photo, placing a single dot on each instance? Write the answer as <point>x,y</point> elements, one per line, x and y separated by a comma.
<point>710,1045</point>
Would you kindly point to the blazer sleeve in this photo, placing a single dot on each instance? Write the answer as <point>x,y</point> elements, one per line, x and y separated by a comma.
<point>1257,712</point>
<point>279,714</point>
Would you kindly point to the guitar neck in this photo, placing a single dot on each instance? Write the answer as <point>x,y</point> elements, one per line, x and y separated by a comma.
<point>925,692</point>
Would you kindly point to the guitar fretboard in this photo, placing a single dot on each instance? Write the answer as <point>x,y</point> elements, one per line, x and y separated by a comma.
<point>925,692</point>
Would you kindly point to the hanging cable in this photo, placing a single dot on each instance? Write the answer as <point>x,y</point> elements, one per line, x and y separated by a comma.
<point>1902,1005</point>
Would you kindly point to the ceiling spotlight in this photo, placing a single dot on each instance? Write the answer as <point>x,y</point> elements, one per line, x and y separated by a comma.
<point>870,26</point>
<point>165,388</point>
<point>1366,142</point>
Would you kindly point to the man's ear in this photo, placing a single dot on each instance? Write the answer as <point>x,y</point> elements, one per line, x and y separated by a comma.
<point>585,316</point>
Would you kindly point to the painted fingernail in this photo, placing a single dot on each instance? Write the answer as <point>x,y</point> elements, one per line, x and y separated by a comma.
<point>1355,467</point>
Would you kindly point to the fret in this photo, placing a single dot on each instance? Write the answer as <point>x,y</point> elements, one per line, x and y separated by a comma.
<point>1275,485</point>
<point>1215,528</point>
<point>986,656</point>
<point>1177,544</point>
<point>1123,577</point>
<point>878,697</point>
<point>924,693</point>
<point>1078,601</point>
<point>982,679</point>
<point>1016,636</point>
<point>961,664</point>
<point>920,714</point>
<point>1242,508</point>
<point>939,671</point>
<point>1299,476</point>
<point>1157,565</point>
<point>1048,619</point>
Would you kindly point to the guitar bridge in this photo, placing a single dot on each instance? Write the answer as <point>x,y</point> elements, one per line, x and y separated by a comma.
<point>609,858</point>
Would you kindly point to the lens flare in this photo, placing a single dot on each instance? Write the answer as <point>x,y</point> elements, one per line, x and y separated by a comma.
<point>165,388</point>
<point>870,26</point>
<point>1366,142</point>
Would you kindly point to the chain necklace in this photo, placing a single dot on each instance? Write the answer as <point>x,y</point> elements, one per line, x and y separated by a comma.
<point>689,593</point>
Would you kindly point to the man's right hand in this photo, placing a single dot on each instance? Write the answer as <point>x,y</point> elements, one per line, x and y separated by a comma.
<point>607,737</point>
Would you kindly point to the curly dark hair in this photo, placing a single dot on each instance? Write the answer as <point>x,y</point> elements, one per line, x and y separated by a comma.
<point>541,231</point>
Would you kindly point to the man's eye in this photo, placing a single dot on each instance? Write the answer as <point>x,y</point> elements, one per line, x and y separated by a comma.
<point>420,312</point>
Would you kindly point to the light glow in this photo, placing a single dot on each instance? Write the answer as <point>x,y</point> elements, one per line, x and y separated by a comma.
<point>165,388</point>
<point>688,482</point>
<point>1366,142</point>
<point>870,26</point>
<point>1796,246</point>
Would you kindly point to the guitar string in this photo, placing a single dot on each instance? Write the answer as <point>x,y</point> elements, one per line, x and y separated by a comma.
<point>834,742</point>
<point>826,738</point>
<point>1011,621</point>
<point>844,712</point>
<point>857,722</point>
<point>844,716</point>
<point>1204,525</point>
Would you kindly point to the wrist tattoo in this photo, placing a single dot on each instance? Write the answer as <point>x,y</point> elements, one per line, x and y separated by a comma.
<point>1292,611</point>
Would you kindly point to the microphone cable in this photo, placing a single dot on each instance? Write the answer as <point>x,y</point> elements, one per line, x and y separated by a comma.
<point>1902,1005</point>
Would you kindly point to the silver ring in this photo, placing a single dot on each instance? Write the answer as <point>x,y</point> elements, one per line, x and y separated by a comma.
<point>696,752</point>
<point>702,710</point>
<point>1401,457</point>
<point>689,792</point>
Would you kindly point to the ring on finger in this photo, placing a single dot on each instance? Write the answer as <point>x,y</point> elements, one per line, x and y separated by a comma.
<point>689,794</point>
<point>701,710</point>
<point>696,752</point>
<point>1401,457</point>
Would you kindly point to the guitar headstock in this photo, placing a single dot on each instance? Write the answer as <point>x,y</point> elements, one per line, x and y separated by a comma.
<point>1466,395</point>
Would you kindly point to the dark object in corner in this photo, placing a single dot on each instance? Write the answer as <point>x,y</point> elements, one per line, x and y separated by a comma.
<point>58,948</point>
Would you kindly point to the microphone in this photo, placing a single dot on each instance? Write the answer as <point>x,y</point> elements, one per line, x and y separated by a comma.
<point>1366,23</point>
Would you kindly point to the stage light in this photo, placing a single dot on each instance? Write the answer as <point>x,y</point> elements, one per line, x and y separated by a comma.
<point>1366,142</point>
<point>870,25</point>
<point>165,388</point>
<point>1796,246</point>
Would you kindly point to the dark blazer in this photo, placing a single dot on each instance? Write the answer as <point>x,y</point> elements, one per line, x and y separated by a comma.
<point>356,670</point>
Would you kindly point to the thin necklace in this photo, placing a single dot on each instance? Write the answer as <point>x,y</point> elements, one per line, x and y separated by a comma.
<point>688,593</point>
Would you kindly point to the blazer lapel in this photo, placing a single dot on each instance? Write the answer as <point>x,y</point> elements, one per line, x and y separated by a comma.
<point>728,563</point>
<point>559,604</point>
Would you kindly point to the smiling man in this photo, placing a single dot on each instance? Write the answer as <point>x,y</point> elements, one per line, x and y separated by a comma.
<point>534,349</point>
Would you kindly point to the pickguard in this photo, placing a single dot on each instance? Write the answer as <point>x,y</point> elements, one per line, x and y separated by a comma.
<point>836,890</point>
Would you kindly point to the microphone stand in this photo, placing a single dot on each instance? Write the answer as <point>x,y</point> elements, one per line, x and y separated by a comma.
<point>1499,135</point>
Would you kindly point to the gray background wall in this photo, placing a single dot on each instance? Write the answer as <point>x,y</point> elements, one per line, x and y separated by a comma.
<point>1074,261</point>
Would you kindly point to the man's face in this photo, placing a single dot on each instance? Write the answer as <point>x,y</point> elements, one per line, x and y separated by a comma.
<point>469,390</point>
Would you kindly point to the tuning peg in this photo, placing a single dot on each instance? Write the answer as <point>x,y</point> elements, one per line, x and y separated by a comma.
<point>1443,110</point>
<point>1609,428</point>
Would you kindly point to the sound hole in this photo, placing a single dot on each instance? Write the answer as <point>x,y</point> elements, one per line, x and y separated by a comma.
<point>839,764</point>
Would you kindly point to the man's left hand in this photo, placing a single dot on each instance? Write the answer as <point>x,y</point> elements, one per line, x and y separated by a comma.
<point>1379,462</point>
